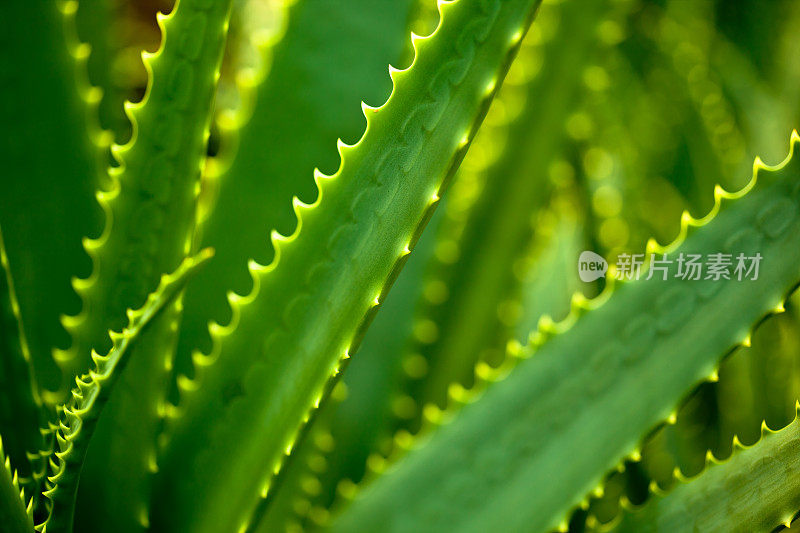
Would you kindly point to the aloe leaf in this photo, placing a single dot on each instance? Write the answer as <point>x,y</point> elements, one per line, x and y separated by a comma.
<point>160,166</point>
<point>21,410</point>
<point>759,383</point>
<point>150,219</point>
<point>756,384</point>
<point>623,366</point>
<point>269,150</point>
<point>255,186</point>
<point>727,94</point>
<point>15,514</point>
<point>310,307</point>
<point>754,490</point>
<point>51,170</point>
<point>353,428</point>
<point>466,224</point>
<point>117,475</point>
<point>79,416</point>
<point>361,429</point>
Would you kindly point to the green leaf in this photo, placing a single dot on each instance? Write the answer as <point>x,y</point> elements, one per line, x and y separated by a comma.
<point>754,490</point>
<point>52,166</point>
<point>15,514</point>
<point>79,416</point>
<point>150,221</point>
<point>255,186</point>
<point>578,403</point>
<point>355,424</point>
<point>268,152</point>
<point>310,307</point>
<point>160,167</point>
<point>21,411</point>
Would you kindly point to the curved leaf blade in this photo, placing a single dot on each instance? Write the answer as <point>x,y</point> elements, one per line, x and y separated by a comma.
<point>754,490</point>
<point>15,515</point>
<point>563,417</point>
<point>79,417</point>
<point>327,279</point>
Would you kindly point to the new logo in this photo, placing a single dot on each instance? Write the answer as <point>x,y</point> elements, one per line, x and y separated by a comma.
<point>591,266</point>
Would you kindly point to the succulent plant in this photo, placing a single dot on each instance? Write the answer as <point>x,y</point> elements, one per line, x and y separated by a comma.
<point>237,304</point>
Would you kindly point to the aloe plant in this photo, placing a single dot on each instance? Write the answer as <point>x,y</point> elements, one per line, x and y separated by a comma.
<point>231,301</point>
